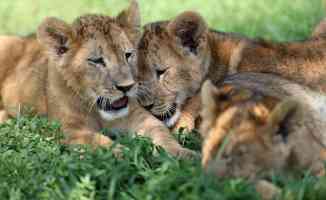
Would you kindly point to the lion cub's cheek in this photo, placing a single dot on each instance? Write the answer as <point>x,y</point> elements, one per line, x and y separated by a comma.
<point>174,119</point>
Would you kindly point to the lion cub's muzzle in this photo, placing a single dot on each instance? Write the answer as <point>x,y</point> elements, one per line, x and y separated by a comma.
<point>111,109</point>
<point>169,115</point>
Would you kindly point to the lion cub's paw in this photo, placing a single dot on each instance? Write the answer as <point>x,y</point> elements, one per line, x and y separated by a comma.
<point>184,153</point>
<point>102,140</point>
<point>3,116</point>
<point>186,122</point>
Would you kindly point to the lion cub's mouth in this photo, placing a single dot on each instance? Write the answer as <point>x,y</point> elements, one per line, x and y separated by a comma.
<point>104,104</point>
<point>112,110</point>
<point>169,117</point>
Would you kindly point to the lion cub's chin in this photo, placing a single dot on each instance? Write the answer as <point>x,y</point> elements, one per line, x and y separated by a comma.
<point>113,115</point>
<point>171,121</point>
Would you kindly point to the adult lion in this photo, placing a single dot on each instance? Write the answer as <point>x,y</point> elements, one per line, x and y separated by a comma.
<point>82,75</point>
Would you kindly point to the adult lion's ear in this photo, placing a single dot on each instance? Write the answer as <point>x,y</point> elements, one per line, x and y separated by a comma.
<point>56,35</point>
<point>188,28</point>
<point>131,19</point>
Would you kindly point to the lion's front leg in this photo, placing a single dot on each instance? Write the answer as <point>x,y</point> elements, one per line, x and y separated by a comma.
<point>92,138</point>
<point>189,114</point>
<point>145,124</point>
<point>162,137</point>
<point>87,137</point>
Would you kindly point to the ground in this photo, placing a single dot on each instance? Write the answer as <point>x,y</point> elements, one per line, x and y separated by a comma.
<point>33,165</point>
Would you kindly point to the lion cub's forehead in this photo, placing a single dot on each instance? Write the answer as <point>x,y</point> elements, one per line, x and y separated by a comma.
<point>91,26</point>
<point>153,35</point>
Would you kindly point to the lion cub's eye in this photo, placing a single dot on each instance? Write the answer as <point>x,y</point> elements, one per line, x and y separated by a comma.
<point>96,61</point>
<point>160,72</point>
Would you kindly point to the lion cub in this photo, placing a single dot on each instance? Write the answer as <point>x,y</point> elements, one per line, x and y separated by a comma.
<point>81,74</point>
<point>176,56</point>
<point>256,123</point>
<point>252,125</point>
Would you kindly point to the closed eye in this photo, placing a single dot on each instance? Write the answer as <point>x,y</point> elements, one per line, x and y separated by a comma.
<point>96,61</point>
<point>129,55</point>
<point>160,72</point>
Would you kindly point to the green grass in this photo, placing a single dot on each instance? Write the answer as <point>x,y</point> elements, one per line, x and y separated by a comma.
<point>33,165</point>
<point>37,167</point>
<point>274,19</point>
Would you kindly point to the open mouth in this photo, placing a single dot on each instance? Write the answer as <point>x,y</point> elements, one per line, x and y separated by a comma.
<point>104,104</point>
<point>113,110</point>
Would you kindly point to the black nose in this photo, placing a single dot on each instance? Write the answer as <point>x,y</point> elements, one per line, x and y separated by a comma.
<point>125,88</point>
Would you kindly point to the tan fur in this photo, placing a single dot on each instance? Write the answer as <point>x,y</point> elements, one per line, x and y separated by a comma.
<point>65,70</point>
<point>3,116</point>
<point>265,123</point>
<point>185,60</point>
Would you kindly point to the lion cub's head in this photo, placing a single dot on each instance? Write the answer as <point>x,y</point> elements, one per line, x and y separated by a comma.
<point>173,61</point>
<point>245,132</point>
<point>95,56</point>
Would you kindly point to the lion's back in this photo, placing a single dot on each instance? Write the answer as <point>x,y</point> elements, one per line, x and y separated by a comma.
<point>23,68</point>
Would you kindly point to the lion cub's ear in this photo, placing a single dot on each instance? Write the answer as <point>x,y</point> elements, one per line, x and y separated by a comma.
<point>56,35</point>
<point>278,117</point>
<point>188,28</point>
<point>131,19</point>
<point>320,29</point>
<point>216,99</point>
<point>282,111</point>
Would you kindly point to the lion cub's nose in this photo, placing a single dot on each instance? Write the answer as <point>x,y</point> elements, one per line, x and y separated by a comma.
<point>125,88</point>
